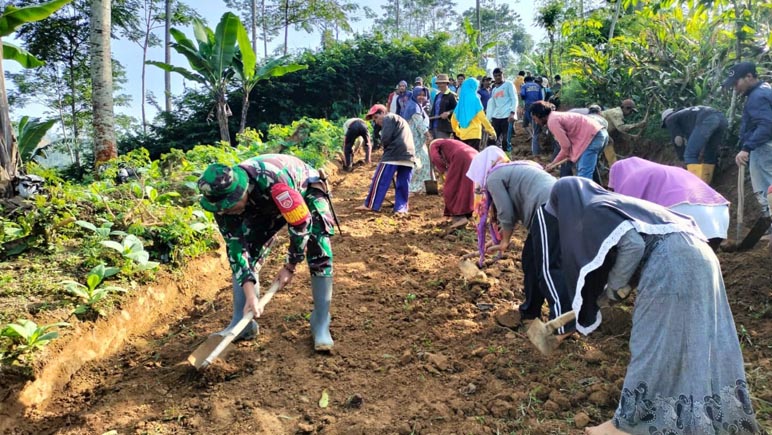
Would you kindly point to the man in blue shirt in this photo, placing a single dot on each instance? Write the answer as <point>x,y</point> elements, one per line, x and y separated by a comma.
<point>530,93</point>
<point>755,129</point>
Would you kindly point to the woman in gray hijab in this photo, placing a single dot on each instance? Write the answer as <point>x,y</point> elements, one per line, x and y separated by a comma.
<point>686,373</point>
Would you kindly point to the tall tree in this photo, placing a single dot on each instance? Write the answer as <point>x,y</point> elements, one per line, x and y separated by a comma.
<point>152,15</point>
<point>167,55</point>
<point>502,26</point>
<point>105,148</point>
<point>550,17</point>
<point>10,20</point>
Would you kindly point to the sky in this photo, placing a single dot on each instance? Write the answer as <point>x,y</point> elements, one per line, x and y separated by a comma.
<point>130,54</point>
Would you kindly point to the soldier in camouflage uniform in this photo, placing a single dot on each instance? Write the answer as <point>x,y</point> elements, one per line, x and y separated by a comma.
<point>252,201</point>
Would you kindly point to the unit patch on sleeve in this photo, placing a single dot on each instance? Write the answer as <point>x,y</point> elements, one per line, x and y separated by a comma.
<point>290,203</point>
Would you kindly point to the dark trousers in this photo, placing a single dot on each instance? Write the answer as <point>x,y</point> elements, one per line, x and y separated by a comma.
<point>706,137</point>
<point>543,277</point>
<point>501,126</point>
<point>474,143</point>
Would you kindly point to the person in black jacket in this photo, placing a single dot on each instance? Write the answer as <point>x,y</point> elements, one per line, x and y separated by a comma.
<point>398,159</point>
<point>355,130</point>
<point>694,131</point>
<point>442,107</point>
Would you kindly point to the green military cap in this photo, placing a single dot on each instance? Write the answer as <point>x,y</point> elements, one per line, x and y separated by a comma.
<point>222,187</point>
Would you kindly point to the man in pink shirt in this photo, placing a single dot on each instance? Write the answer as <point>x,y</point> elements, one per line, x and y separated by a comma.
<point>581,138</point>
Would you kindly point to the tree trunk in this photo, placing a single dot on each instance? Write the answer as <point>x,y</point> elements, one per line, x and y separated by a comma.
<point>396,3</point>
<point>9,152</point>
<point>254,25</point>
<point>286,24</point>
<point>222,117</point>
<point>244,110</point>
<point>143,91</point>
<point>168,56</point>
<point>265,29</point>
<point>617,10</point>
<point>102,83</point>
<point>738,48</point>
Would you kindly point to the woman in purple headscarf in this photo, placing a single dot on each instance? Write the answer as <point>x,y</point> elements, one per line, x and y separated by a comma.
<point>675,188</point>
<point>686,373</point>
<point>419,127</point>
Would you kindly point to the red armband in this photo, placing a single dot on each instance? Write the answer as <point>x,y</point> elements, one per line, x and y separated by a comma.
<point>291,204</point>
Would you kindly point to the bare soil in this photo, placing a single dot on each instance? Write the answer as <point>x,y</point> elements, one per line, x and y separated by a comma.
<point>418,350</point>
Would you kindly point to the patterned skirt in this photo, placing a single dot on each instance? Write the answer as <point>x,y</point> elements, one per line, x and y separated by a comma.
<point>686,372</point>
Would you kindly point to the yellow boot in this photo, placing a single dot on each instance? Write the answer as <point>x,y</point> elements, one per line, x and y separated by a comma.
<point>695,168</point>
<point>610,153</point>
<point>707,173</point>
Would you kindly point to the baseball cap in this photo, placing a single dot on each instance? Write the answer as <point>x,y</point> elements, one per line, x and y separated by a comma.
<point>630,104</point>
<point>376,108</point>
<point>222,187</point>
<point>418,80</point>
<point>738,71</point>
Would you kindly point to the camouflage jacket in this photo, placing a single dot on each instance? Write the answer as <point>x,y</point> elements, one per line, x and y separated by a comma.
<point>247,235</point>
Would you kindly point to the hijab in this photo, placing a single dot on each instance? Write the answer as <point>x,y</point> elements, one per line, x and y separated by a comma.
<point>591,221</point>
<point>483,162</point>
<point>469,104</point>
<point>412,106</point>
<point>665,185</point>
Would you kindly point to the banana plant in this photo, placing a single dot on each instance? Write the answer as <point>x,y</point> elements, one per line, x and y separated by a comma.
<point>93,292</point>
<point>210,58</point>
<point>11,19</point>
<point>249,73</point>
<point>30,133</point>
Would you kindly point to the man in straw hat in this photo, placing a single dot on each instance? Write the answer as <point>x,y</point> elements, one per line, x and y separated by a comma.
<point>442,107</point>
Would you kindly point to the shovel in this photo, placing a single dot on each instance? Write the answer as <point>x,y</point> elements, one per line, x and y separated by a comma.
<point>757,230</point>
<point>431,185</point>
<point>542,334</point>
<point>210,349</point>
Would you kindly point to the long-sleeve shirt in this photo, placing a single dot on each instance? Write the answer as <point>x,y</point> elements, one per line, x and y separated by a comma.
<point>683,122</point>
<point>756,125</point>
<point>573,131</point>
<point>630,250</point>
<point>248,235</point>
<point>616,120</point>
<point>397,139</point>
<point>518,191</point>
<point>354,128</point>
<point>474,129</point>
<point>503,101</point>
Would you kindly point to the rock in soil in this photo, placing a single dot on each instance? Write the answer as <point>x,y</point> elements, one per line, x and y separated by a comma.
<point>581,420</point>
<point>509,318</point>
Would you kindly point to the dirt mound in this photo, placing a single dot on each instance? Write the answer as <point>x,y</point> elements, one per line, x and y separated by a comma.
<point>418,349</point>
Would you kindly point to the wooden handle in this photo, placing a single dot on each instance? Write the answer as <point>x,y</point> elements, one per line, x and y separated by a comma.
<point>562,320</point>
<point>236,330</point>
<point>740,200</point>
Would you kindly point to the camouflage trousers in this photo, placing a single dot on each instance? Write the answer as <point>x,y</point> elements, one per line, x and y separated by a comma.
<point>319,248</point>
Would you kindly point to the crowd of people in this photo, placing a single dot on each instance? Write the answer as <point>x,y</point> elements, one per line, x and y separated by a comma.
<point>652,233</point>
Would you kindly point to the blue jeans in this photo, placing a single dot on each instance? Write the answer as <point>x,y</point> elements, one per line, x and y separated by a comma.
<point>585,166</point>
<point>761,174</point>
<point>535,149</point>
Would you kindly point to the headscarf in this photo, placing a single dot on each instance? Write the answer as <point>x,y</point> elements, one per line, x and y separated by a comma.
<point>434,83</point>
<point>483,162</point>
<point>412,106</point>
<point>591,221</point>
<point>665,185</point>
<point>469,104</point>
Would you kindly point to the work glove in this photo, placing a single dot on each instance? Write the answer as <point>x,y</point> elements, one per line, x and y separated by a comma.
<point>679,141</point>
<point>610,296</point>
